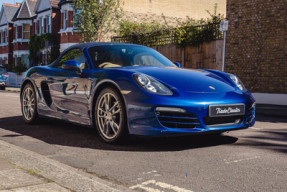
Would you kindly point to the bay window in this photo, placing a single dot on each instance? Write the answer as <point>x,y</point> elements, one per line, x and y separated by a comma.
<point>16,32</point>
<point>65,21</point>
<point>35,27</point>
<point>2,36</point>
<point>48,24</point>
<point>41,25</point>
<point>26,31</point>
<point>6,36</point>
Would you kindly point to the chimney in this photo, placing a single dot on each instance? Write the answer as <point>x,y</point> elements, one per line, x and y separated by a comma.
<point>18,4</point>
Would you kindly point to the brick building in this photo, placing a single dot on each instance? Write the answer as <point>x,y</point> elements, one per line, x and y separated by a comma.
<point>48,20</point>
<point>6,32</point>
<point>23,28</point>
<point>256,44</point>
<point>68,32</point>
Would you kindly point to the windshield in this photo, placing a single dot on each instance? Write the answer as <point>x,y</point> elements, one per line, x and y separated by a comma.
<point>2,71</point>
<point>126,55</point>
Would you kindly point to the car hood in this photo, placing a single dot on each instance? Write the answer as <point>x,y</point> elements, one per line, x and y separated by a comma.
<point>3,77</point>
<point>189,80</point>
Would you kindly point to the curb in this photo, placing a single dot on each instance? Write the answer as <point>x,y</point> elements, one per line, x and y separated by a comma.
<point>268,110</point>
<point>62,174</point>
<point>9,90</point>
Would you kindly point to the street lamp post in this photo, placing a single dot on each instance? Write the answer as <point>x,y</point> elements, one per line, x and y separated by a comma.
<point>224,28</point>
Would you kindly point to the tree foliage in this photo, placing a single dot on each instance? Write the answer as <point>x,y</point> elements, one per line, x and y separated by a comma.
<point>93,18</point>
<point>38,42</point>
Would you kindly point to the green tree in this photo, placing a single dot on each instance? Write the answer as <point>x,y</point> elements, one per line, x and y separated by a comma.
<point>93,18</point>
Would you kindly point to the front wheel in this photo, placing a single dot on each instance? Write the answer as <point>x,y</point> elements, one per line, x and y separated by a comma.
<point>29,104</point>
<point>110,116</point>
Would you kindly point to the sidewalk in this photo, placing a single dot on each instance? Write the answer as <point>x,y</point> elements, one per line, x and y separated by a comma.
<point>22,170</point>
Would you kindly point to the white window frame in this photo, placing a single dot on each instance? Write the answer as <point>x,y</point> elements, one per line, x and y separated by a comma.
<point>65,19</point>
<point>48,24</point>
<point>25,31</point>
<point>41,22</point>
<point>6,35</point>
<point>16,32</point>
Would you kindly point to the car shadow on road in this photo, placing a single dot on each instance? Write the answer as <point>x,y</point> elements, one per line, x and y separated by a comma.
<point>66,134</point>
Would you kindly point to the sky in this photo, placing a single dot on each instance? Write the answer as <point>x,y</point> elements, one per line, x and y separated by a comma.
<point>9,1</point>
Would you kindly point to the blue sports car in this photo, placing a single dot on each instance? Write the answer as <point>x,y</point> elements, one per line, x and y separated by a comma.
<point>125,89</point>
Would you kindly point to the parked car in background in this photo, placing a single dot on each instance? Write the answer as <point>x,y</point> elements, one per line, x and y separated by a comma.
<point>123,89</point>
<point>3,77</point>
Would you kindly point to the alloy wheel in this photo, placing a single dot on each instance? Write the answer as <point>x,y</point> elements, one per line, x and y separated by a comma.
<point>28,103</point>
<point>109,115</point>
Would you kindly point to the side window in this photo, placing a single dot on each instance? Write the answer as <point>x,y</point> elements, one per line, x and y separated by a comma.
<point>74,54</point>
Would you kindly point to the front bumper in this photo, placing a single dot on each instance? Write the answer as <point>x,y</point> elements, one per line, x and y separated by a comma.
<point>2,84</point>
<point>143,120</point>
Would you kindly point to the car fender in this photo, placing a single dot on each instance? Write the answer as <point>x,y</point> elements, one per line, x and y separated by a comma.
<point>94,96</point>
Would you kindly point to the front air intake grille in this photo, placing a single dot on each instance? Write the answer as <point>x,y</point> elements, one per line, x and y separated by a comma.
<point>177,120</point>
<point>250,115</point>
<point>213,121</point>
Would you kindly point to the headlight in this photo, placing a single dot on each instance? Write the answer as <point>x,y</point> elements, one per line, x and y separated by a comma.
<point>237,81</point>
<point>151,85</point>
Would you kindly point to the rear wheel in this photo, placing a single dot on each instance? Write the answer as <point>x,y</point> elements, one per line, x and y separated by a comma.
<point>110,116</point>
<point>29,104</point>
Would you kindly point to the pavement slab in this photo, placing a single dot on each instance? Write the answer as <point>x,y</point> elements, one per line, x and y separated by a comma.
<point>17,178</point>
<point>47,187</point>
<point>62,174</point>
<point>5,165</point>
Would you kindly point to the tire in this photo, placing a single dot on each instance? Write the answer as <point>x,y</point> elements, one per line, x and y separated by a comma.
<point>110,119</point>
<point>2,88</point>
<point>29,104</point>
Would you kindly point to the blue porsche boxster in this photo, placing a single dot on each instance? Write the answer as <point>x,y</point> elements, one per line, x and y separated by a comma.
<point>125,89</point>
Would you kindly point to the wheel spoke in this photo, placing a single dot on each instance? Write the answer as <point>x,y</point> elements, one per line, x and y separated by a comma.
<point>117,111</point>
<point>31,110</point>
<point>107,126</point>
<point>107,102</point>
<point>116,103</point>
<point>117,126</point>
<point>102,110</point>
<point>111,124</point>
<point>102,116</point>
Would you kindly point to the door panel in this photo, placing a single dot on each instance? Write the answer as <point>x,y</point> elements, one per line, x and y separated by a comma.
<point>69,90</point>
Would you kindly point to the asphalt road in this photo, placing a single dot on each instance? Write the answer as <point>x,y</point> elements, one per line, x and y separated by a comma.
<point>247,160</point>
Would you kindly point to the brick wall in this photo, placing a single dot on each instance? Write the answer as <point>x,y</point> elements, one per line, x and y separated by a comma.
<point>56,23</point>
<point>257,44</point>
<point>175,8</point>
<point>20,46</point>
<point>69,38</point>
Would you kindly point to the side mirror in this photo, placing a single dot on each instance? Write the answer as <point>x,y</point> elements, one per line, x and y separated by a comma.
<point>72,65</point>
<point>177,64</point>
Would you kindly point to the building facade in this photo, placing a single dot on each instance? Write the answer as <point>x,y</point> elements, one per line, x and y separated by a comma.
<point>56,16</point>
<point>23,24</point>
<point>48,20</point>
<point>68,32</point>
<point>6,32</point>
<point>256,44</point>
